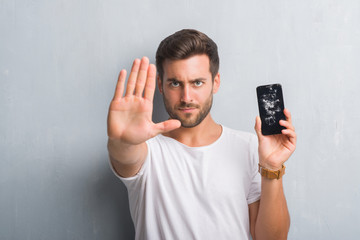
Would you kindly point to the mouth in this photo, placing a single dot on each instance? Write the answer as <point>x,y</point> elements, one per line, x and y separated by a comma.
<point>187,109</point>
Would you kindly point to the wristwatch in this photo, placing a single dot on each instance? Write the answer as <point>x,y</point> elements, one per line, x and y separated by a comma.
<point>271,174</point>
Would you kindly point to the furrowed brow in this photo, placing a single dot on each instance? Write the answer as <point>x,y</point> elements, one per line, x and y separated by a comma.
<point>172,80</point>
<point>193,80</point>
<point>198,79</point>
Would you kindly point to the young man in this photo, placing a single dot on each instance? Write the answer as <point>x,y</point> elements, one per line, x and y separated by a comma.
<point>189,177</point>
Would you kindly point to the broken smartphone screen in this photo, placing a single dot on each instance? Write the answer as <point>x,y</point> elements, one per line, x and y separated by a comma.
<point>271,108</point>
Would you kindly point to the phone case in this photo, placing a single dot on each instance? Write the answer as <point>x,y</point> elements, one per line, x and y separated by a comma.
<point>271,108</point>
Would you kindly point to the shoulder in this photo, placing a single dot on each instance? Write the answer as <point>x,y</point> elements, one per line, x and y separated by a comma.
<point>239,141</point>
<point>159,140</point>
<point>239,136</point>
<point>162,145</point>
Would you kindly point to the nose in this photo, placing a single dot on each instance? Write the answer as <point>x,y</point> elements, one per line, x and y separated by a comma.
<point>186,94</point>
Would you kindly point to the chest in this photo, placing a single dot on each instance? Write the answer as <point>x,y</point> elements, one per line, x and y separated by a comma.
<point>219,176</point>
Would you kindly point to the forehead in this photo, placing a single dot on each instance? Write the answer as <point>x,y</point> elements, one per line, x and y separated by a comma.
<point>190,68</point>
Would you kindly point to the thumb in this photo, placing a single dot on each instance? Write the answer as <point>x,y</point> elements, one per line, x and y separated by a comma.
<point>167,126</point>
<point>258,127</point>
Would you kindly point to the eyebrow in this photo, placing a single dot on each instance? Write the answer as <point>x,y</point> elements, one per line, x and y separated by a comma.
<point>193,80</point>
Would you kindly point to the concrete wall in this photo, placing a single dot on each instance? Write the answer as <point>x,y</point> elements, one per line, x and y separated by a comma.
<point>59,62</point>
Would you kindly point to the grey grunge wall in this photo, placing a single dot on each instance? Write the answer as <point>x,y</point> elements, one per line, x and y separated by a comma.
<point>59,61</point>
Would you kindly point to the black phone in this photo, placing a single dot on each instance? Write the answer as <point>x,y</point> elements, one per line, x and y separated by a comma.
<point>271,108</point>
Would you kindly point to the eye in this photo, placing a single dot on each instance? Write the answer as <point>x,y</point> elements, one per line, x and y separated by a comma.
<point>175,84</point>
<point>198,83</point>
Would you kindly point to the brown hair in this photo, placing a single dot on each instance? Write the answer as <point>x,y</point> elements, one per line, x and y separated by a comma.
<point>184,44</point>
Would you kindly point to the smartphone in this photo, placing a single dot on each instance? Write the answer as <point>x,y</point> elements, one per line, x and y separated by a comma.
<point>271,108</point>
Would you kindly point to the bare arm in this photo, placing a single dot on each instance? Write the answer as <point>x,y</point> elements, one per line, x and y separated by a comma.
<point>130,118</point>
<point>269,217</point>
<point>126,159</point>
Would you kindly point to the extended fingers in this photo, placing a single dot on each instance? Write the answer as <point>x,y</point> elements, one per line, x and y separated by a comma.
<point>166,126</point>
<point>150,83</point>
<point>132,78</point>
<point>119,90</point>
<point>142,75</point>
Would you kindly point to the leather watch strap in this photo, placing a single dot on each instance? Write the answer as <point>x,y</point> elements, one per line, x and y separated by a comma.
<point>270,174</point>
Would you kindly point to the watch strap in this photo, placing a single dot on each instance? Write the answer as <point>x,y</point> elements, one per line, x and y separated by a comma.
<point>270,174</point>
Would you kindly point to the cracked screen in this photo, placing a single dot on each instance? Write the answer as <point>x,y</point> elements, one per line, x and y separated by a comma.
<point>271,107</point>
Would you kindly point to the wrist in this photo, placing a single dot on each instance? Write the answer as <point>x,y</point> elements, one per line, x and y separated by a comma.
<point>270,165</point>
<point>271,174</point>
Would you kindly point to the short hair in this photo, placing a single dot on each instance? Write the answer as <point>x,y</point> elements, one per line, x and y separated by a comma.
<point>184,44</point>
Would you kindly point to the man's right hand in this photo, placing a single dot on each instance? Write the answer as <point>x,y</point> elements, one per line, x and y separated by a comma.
<point>130,116</point>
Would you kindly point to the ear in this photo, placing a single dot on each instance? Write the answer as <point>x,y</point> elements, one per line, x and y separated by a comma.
<point>159,84</point>
<point>216,84</point>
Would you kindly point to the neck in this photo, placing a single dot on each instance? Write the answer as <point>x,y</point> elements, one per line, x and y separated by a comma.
<point>207,132</point>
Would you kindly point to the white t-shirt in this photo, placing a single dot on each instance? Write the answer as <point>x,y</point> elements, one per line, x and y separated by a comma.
<point>189,193</point>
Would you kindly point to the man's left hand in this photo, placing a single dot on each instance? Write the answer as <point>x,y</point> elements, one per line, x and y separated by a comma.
<point>274,150</point>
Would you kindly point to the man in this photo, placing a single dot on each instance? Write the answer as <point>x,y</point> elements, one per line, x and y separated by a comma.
<point>189,177</point>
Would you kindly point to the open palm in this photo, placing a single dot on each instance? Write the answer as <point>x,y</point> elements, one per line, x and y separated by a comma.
<point>130,116</point>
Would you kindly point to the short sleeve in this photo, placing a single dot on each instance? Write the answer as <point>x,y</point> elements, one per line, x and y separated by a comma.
<point>255,181</point>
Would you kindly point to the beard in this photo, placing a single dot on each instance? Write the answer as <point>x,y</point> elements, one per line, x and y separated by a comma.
<point>190,119</point>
